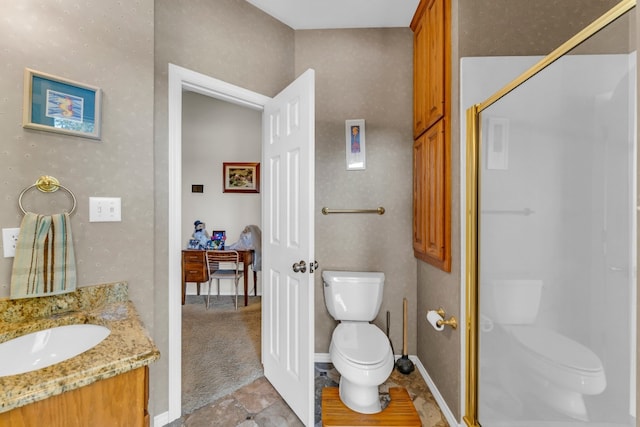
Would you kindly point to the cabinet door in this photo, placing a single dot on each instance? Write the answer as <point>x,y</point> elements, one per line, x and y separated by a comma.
<point>428,65</point>
<point>431,223</point>
<point>119,401</point>
<point>435,85</point>
<point>419,195</point>
<point>420,43</point>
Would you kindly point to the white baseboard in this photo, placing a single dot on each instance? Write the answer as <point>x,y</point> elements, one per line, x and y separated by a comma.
<point>322,358</point>
<point>161,420</point>
<point>451,419</point>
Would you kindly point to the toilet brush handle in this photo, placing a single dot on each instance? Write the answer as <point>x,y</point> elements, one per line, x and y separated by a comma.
<point>404,327</point>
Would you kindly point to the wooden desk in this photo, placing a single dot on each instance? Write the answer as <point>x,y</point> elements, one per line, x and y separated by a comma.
<point>194,269</point>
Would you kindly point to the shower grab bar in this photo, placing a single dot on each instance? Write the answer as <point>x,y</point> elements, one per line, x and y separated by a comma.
<point>327,211</point>
<point>525,212</point>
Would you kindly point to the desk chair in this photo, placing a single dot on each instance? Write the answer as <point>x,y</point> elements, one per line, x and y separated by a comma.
<point>232,272</point>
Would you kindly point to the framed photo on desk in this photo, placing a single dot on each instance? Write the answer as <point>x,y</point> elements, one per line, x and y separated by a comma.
<point>217,239</point>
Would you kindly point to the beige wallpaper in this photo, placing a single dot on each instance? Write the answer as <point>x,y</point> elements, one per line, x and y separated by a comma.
<point>354,80</point>
<point>124,48</point>
<point>105,44</point>
<point>523,27</point>
<point>231,41</point>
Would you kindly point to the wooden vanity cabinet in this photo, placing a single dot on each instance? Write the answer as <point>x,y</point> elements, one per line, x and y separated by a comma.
<point>432,135</point>
<point>119,401</point>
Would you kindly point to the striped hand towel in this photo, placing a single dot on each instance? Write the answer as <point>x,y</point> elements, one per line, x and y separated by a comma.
<point>44,263</point>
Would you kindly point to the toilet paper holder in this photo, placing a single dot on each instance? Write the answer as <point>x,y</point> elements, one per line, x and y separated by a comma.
<point>452,321</point>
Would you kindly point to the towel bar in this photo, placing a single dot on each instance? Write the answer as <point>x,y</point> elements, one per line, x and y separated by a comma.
<point>327,211</point>
<point>47,184</point>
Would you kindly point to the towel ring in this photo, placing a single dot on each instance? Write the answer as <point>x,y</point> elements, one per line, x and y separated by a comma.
<point>47,184</point>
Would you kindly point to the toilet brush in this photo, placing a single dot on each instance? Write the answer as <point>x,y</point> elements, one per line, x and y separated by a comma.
<point>403,364</point>
<point>388,336</point>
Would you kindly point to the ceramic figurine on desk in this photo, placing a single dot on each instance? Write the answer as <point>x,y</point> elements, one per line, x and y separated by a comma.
<point>200,237</point>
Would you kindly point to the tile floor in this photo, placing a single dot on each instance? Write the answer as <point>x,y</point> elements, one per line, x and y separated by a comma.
<point>258,404</point>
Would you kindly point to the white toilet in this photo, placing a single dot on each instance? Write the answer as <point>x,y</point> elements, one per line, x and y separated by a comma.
<point>359,350</point>
<point>561,371</point>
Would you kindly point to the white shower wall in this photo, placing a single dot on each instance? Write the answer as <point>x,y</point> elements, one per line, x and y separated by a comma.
<point>560,207</point>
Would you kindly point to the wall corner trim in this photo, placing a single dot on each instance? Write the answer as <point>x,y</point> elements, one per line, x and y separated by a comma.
<point>451,419</point>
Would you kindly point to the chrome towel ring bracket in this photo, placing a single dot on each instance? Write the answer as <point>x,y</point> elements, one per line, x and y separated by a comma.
<point>47,184</point>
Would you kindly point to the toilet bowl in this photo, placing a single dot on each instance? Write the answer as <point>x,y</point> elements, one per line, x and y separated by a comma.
<point>558,371</point>
<point>362,354</point>
<point>359,350</point>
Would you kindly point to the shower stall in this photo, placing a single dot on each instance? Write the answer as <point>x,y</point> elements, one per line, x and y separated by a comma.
<point>552,233</point>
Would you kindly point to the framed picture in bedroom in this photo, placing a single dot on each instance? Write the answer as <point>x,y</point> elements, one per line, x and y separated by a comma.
<point>241,177</point>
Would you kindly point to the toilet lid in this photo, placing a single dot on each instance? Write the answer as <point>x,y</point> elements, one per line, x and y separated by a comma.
<point>557,348</point>
<point>360,342</point>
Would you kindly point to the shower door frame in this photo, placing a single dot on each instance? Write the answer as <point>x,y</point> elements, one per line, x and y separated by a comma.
<point>470,416</point>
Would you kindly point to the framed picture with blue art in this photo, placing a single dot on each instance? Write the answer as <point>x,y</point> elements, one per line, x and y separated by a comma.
<point>355,145</point>
<point>56,104</point>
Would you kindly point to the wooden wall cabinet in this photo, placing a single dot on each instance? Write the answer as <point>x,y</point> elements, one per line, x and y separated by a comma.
<point>119,401</point>
<point>429,65</point>
<point>432,135</point>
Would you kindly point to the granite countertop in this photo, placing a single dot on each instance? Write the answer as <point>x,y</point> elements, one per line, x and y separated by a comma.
<point>127,347</point>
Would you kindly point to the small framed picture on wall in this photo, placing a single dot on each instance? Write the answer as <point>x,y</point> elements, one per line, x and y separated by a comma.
<point>56,104</point>
<point>355,144</point>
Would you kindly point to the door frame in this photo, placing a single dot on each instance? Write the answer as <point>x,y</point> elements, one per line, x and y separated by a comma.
<point>182,79</point>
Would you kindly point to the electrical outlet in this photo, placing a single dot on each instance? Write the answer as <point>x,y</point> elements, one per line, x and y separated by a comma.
<point>9,240</point>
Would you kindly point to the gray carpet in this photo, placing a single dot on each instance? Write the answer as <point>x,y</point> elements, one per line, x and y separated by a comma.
<point>220,348</point>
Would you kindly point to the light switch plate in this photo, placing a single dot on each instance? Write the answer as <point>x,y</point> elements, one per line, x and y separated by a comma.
<point>105,209</point>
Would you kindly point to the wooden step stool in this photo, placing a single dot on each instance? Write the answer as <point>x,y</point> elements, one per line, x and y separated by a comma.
<point>399,413</point>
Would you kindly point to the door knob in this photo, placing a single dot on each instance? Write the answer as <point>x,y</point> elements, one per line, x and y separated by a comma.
<point>300,267</point>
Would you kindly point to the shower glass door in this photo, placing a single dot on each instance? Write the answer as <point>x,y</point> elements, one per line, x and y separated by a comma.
<point>556,227</point>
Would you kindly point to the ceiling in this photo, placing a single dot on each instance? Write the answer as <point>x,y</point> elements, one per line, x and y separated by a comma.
<point>322,14</point>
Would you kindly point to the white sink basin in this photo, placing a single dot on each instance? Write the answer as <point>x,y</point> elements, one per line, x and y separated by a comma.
<point>48,347</point>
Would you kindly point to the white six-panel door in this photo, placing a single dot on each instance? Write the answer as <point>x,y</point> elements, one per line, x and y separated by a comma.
<point>288,239</point>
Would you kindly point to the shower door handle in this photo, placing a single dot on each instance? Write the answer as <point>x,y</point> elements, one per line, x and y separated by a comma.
<point>300,267</point>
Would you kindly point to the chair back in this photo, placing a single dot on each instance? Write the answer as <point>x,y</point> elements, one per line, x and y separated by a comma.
<point>215,257</point>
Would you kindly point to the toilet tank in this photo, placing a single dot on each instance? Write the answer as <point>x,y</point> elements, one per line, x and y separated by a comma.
<point>513,302</point>
<point>353,295</point>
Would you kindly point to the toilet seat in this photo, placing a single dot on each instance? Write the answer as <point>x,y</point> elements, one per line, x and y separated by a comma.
<point>361,343</point>
<point>557,349</point>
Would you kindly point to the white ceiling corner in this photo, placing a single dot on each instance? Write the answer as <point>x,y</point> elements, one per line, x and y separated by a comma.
<point>324,14</point>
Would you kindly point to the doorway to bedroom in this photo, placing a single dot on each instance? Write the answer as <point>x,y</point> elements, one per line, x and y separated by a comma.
<point>220,345</point>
